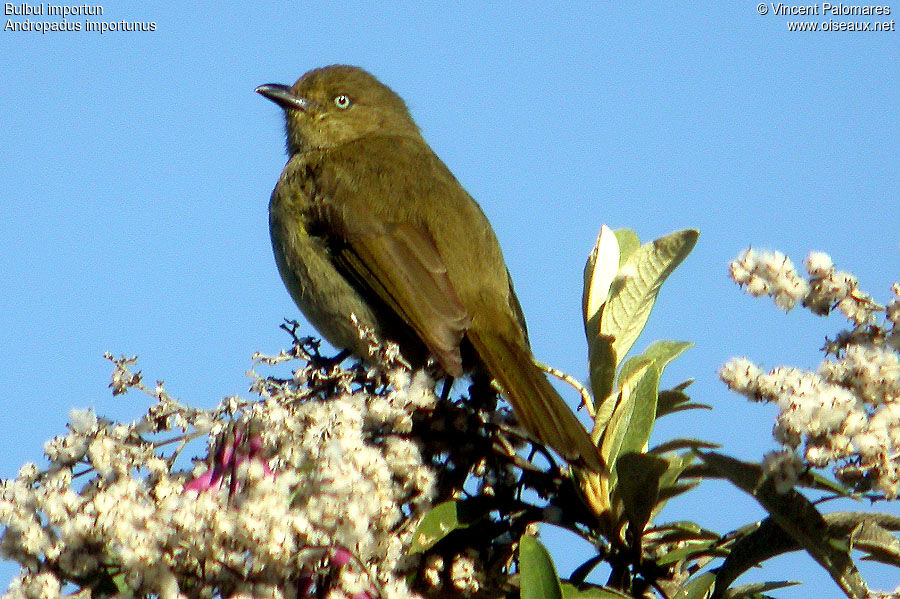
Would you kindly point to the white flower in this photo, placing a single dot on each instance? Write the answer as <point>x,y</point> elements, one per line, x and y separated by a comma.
<point>769,273</point>
<point>83,422</point>
<point>819,264</point>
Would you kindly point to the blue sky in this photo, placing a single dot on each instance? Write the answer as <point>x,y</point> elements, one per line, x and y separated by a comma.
<point>137,169</point>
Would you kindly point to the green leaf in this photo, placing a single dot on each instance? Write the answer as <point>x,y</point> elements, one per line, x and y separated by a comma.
<point>660,353</point>
<point>582,571</point>
<point>670,484</point>
<point>676,444</point>
<point>537,575</point>
<point>756,589</point>
<point>628,307</point>
<point>683,529</point>
<point>643,414</point>
<point>630,425</point>
<point>672,400</point>
<point>753,545</point>
<point>443,519</point>
<point>592,592</point>
<point>638,476</point>
<point>599,274</point>
<point>683,385</point>
<point>697,587</point>
<point>668,492</point>
<point>602,362</point>
<point>815,480</point>
<point>598,286</point>
<point>628,244</point>
<point>669,400</point>
<point>691,550</point>
<point>794,514</point>
<point>683,408</point>
<point>113,586</point>
<point>764,540</point>
<point>877,541</point>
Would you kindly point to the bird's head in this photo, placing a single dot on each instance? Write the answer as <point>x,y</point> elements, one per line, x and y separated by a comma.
<point>334,105</point>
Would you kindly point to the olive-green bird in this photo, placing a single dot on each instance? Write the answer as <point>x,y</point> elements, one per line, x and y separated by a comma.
<point>367,220</point>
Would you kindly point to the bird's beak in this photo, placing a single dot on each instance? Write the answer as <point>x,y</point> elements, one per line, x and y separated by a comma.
<point>284,97</point>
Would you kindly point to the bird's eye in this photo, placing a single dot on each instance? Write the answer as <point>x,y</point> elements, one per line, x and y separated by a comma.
<point>342,102</point>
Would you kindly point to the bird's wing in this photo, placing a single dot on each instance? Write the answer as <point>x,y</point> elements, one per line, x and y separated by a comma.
<point>400,264</point>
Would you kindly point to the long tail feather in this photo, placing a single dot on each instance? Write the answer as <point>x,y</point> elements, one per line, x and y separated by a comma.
<point>539,408</point>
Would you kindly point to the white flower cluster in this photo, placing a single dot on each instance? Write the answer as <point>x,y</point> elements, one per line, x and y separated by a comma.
<point>847,413</point>
<point>895,594</point>
<point>773,274</point>
<point>301,496</point>
<point>465,575</point>
<point>769,273</point>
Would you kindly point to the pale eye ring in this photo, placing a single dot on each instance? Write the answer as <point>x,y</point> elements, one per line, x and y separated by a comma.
<point>342,101</point>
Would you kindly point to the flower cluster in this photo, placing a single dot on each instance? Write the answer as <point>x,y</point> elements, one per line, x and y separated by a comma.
<point>314,489</point>
<point>847,413</point>
<point>773,274</point>
<point>769,273</point>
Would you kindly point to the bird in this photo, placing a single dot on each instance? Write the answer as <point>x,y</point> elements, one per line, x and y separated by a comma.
<point>366,220</point>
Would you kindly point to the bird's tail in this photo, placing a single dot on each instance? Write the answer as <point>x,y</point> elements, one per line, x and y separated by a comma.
<point>540,409</point>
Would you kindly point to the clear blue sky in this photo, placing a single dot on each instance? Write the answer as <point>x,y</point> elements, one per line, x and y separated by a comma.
<point>136,170</point>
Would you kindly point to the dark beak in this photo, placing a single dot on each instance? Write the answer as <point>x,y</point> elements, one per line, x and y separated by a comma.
<point>284,97</point>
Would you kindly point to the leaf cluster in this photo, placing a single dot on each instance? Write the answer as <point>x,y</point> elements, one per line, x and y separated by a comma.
<point>645,556</point>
